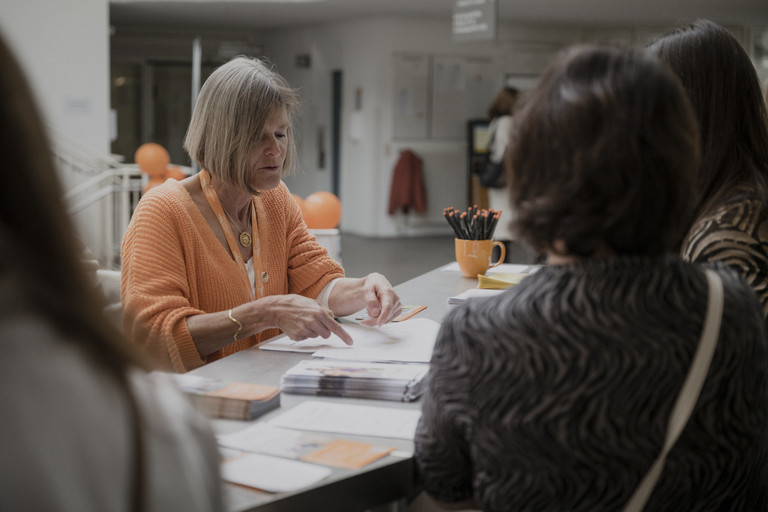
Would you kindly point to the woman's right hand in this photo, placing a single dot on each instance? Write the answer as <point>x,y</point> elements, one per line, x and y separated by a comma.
<point>300,318</point>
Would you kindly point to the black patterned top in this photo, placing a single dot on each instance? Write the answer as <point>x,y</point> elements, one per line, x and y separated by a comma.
<point>555,395</point>
<point>736,234</point>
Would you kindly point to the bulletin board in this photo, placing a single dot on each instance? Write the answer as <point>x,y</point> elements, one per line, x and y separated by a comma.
<point>411,115</point>
<point>434,96</point>
<point>462,89</point>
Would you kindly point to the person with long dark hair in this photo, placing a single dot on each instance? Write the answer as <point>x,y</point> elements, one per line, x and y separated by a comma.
<point>731,223</point>
<point>85,427</point>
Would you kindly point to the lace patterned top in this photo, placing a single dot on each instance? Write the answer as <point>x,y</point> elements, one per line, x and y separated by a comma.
<point>736,234</point>
<point>556,394</point>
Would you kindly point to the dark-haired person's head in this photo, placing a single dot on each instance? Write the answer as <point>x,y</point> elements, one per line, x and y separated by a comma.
<point>724,90</point>
<point>503,103</point>
<point>605,156</point>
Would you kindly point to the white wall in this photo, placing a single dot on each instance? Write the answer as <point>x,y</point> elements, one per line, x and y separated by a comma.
<point>364,51</point>
<point>64,49</point>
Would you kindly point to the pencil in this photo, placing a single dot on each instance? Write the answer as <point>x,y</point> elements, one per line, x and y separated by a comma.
<point>495,221</point>
<point>449,215</point>
<point>473,224</point>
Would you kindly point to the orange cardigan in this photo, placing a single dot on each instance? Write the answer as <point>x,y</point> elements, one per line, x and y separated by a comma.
<point>173,267</point>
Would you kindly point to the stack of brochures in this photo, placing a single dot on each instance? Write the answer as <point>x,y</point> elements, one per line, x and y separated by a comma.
<point>354,379</point>
<point>230,400</point>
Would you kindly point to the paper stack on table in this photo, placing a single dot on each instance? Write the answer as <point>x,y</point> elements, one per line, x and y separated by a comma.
<point>380,381</point>
<point>230,400</point>
<point>495,281</point>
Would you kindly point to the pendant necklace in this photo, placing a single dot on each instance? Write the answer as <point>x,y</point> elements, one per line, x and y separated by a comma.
<point>245,236</point>
<point>260,275</point>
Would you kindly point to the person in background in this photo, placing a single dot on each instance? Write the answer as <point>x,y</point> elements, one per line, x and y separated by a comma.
<point>222,260</point>
<point>556,394</point>
<point>85,427</point>
<point>731,222</point>
<point>500,114</point>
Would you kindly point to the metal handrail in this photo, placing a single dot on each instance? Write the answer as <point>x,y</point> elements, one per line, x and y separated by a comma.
<point>101,194</point>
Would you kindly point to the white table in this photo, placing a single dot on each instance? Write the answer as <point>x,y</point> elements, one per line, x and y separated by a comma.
<point>384,481</point>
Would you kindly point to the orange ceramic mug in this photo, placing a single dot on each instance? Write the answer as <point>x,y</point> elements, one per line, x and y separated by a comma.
<point>474,256</point>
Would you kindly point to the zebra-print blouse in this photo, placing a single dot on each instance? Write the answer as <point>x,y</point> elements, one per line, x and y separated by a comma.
<point>736,234</point>
<point>555,395</point>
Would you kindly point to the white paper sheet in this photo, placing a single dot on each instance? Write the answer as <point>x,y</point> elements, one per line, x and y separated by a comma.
<point>362,420</point>
<point>503,268</point>
<point>411,341</point>
<point>473,293</point>
<point>271,474</point>
<point>266,439</point>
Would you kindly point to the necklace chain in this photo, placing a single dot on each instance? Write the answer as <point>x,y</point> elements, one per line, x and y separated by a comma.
<point>244,237</point>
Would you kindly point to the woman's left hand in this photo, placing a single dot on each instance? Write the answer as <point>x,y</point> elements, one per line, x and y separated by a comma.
<point>381,302</point>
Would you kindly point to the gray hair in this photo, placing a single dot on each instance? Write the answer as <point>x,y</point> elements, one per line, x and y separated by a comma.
<point>228,121</point>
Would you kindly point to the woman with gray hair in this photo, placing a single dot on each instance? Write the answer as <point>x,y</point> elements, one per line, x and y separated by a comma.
<point>222,260</point>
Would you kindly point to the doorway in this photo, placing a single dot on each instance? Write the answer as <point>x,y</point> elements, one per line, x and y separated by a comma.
<point>336,106</point>
<point>152,102</point>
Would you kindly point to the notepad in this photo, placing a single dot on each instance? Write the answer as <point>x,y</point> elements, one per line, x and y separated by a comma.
<point>499,281</point>
<point>504,268</point>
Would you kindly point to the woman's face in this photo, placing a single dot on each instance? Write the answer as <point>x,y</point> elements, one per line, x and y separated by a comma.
<point>265,166</point>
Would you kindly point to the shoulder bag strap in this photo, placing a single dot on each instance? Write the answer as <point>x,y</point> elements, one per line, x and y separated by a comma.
<point>689,393</point>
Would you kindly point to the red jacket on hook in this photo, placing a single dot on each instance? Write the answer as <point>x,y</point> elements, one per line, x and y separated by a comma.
<point>407,189</point>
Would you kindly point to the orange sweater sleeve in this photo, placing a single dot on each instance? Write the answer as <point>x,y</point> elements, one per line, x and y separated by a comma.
<point>173,267</point>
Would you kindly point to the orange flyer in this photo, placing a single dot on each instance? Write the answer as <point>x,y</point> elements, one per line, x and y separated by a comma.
<point>347,454</point>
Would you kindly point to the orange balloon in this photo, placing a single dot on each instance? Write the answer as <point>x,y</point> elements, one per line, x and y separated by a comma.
<point>153,182</point>
<point>175,172</point>
<point>153,159</point>
<point>298,199</point>
<point>322,210</point>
